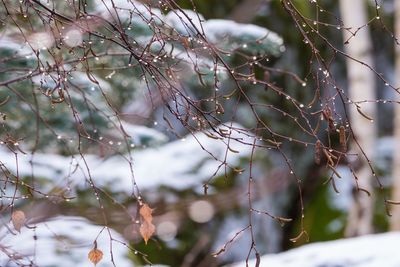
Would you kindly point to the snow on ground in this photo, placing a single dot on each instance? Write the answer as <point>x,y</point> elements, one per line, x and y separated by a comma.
<point>179,164</point>
<point>63,242</point>
<point>380,250</point>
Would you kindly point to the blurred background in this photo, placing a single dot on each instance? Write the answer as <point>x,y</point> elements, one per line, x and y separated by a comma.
<point>227,157</point>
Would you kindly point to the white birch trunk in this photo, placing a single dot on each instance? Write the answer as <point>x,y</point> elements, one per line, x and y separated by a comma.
<point>395,219</point>
<point>361,82</point>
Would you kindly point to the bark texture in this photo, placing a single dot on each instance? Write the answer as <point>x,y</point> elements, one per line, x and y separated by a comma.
<point>395,219</point>
<point>361,86</point>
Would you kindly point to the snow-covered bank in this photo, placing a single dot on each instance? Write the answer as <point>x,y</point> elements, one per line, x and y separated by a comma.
<point>380,250</point>
<point>62,241</point>
<point>178,164</point>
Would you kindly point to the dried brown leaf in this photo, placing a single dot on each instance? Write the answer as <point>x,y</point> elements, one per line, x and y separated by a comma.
<point>18,219</point>
<point>145,212</point>
<point>147,229</point>
<point>95,256</point>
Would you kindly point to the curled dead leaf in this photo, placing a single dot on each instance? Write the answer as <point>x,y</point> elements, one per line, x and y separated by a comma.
<point>18,219</point>
<point>147,229</point>
<point>95,255</point>
<point>145,212</point>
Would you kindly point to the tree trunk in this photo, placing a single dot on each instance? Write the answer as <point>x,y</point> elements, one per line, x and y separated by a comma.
<point>361,87</point>
<point>395,219</point>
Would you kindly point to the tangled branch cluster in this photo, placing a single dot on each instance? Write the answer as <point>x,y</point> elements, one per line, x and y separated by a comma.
<point>72,73</point>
